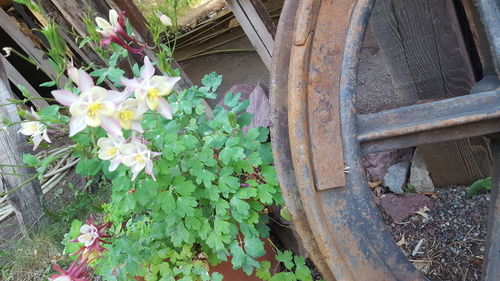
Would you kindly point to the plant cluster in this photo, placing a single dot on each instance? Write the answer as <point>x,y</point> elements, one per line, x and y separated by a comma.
<point>188,191</point>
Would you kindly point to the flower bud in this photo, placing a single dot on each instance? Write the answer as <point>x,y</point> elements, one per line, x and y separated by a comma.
<point>164,19</point>
<point>7,51</point>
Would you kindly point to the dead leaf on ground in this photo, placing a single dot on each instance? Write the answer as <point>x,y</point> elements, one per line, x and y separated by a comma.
<point>402,241</point>
<point>372,185</point>
<point>422,265</point>
<point>422,212</point>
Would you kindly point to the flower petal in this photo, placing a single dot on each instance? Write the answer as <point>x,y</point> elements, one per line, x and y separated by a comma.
<point>76,125</point>
<point>117,97</point>
<point>85,81</point>
<point>111,126</point>
<point>148,70</point>
<point>131,84</point>
<point>164,108</point>
<point>114,164</point>
<point>64,97</point>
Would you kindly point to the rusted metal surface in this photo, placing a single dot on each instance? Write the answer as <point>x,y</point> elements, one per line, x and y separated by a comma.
<point>345,221</point>
<point>438,121</point>
<point>279,133</point>
<point>341,227</point>
<point>491,270</point>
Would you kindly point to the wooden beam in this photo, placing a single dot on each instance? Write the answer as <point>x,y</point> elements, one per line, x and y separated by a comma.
<point>13,30</point>
<point>257,24</point>
<point>25,194</point>
<point>17,78</point>
<point>427,59</point>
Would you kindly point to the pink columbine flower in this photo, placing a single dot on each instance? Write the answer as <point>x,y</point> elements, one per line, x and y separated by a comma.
<point>114,31</point>
<point>91,236</point>
<point>137,156</point>
<point>94,107</point>
<point>78,271</point>
<point>36,129</point>
<point>150,89</point>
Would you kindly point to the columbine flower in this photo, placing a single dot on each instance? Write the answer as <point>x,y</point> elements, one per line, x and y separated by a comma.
<point>137,156</point>
<point>129,115</point>
<point>94,107</point>
<point>164,19</point>
<point>91,236</point>
<point>150,89</point>
<point>113,31</point>
<point>73,73</point>
<point>7,51</point>
<point>36,129</point>
<point>78,271</point>
<point>109,149</point>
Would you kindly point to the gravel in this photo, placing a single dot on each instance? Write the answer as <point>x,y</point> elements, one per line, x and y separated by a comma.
<point>451,235</point>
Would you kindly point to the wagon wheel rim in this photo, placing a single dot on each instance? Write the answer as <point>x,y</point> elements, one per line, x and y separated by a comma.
<point>344,232</point>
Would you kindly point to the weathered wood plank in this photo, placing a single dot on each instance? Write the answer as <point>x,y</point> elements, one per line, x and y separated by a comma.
<point>427,59</point>
<point>25,200</point>
<point>17,78</point>
<point>13,30</point>
<point>254,28</point>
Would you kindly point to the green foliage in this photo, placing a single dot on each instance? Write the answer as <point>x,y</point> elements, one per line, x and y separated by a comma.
<point>478,186</point>
<point>296,268</point>
<point>213,182</point>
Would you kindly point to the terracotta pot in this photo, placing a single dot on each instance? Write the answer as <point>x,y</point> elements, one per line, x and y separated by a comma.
<point>226,268</point>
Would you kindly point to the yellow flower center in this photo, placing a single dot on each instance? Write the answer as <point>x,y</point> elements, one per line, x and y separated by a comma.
<point>126,115</point>
<point>33,127</point>
<point>112,151</point>
<point>139,158</point>
<point>94,108</point>
<point>153,93</point>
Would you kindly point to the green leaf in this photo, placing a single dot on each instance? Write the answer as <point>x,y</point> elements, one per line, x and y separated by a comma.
<point>183,187</point>
<point>221,226</point>
<point>254,247</point>
<point>286,258</point>
<point>48,84</point>
<point>221,207</point>
<point>231,100</point>
<point>265,192</point>
<point>212,80</point>
<point>284,276</point>
<point>284,213</point>
<point>214,241</point>
<point>216,277</point>
<point>31,160</point>
<point>238,254</point>
<point>88,167</point>
<point>185,206</point>
<point>263,271</point>
<point>84,41</point>
<point>479,185</point>
<point>303,273</point>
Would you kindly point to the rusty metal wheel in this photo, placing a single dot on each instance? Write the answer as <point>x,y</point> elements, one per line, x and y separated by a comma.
<point>318,139</point>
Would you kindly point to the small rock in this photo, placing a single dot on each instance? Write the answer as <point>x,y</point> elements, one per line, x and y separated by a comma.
<point>399,207</point>
<point>419,175</point>
<point>396,177</point>
<point>377,164</point>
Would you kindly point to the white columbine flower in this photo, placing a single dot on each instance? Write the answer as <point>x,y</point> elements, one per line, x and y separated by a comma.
<point>137,156</point>
<point>94,107</point>
<point>110,149</point>
<point>108,28</point>
<point>36,129</point>
<point>88,234</point>
<point>129,115</point>
<point>151,89</point>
